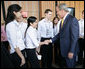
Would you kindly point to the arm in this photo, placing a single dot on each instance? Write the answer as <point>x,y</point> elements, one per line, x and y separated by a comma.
<point>74,34</point>
<point>42,43</point>
<point>39,31</point>
<point>35,40</point>
<point>11,33</point>
<point>33,36</point>
<point>55,38</point>
<point>20,55</point>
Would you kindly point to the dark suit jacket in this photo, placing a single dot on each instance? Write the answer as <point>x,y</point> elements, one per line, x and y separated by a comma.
<point>68,35</point>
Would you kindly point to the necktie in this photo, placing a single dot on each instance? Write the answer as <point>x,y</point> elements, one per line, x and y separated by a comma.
<point>62,23</point>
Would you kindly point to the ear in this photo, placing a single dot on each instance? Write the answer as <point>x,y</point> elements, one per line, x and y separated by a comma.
<point>31,24</point>
<point>14,12</point>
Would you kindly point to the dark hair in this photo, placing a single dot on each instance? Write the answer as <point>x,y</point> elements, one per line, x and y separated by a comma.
<point>47,10</point>
<point>31,19</point>
<point>82,11</point>
<point>42,18</point>
<point>54,19</point>
<point>10,14</point>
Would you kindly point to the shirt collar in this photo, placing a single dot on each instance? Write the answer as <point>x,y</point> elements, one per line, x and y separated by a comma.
<point>82,19</point>
<point>32,28</point>
<point>65,16</point>
<point>18,24</point>
<point>46,20</point>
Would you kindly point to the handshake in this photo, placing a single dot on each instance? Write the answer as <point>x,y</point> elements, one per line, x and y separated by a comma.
<point>46,42</point>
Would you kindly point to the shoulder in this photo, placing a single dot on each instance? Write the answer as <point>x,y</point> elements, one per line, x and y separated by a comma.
<point>11,24</point>
<point>72,18</point>
<point>24,24</point>
<point>40,22</point>
<point>30,29</point>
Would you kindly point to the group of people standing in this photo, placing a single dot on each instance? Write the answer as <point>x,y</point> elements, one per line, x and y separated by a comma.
<point>26,40</point>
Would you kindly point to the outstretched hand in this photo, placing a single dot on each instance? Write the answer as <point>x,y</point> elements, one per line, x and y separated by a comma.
<point>47,42</point>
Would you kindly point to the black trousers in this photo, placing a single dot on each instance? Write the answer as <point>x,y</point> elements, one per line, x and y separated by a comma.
<point>17,60</point>
<point>56,52</point>
<point>5,58</point>
<point>81,50</point>
<point>59,60</point>
<point>32,58</point>
<point>47,54</point>
<point>6,44</point>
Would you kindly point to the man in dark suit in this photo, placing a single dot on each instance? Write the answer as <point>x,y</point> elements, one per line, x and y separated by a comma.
<point>69,34</point>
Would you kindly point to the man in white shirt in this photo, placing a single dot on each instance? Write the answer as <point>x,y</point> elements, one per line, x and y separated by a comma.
<point>81,39</point>
<point>45,31</point>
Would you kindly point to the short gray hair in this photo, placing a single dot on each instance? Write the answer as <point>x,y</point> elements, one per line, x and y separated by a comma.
<point>63,6</point>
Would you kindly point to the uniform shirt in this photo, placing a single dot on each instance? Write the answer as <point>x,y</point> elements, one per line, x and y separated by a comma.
<point>15,35</point>
<point>31,40</point>
<point>81,28</point>
<point>56,28</point>
<point>45,29</point>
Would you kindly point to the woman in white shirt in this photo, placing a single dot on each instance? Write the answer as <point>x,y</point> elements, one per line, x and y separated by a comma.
<point>55,27</point>
<point>14,30</point>
<point>32,42</point>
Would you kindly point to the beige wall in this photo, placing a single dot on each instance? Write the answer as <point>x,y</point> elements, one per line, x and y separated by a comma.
<point>1,15</point>
<point>37,8</point>
<point>78,5</point>
<point>47,5</point>
<point>32,7</point>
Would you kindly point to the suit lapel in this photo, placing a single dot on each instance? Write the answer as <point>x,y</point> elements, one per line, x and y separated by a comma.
<point>65,22</point>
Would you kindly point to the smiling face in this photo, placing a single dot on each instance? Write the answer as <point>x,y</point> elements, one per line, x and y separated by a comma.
<point>18,15</point>
<point>56,21</point>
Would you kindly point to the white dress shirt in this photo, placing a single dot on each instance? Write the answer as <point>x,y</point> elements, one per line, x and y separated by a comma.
<point>81,28</point>
<point>65,16</point>
<point>56,28</point>
<point>45,29</point>
<point>31,40</point>
<point>15,35</point>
